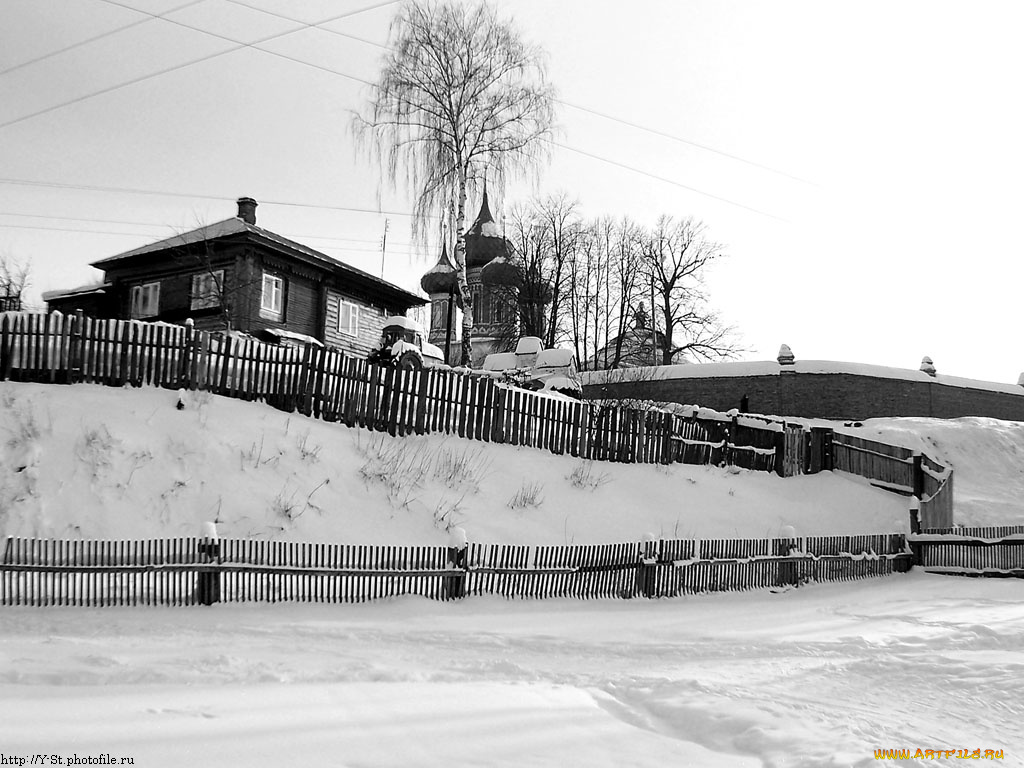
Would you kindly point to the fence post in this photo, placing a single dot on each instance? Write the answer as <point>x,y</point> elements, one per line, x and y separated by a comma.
<point>918,477</point>
<point>647,566</point>
<point>821,450</point>
<point>208,582</point>
<point>916,548</point>
<point>75,352</point>
<point>184,374</point>
<point>780,452</point>
<point>454,587</point>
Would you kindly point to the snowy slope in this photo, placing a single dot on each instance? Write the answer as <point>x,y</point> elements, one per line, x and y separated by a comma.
<point>987,456</point>
<point>98,462</point>
<point>817,677</point>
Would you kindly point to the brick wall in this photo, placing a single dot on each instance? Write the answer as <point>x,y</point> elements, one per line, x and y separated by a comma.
<point>824,395</point>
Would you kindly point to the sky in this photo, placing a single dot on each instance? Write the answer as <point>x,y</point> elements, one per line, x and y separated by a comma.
<point>859,163</point>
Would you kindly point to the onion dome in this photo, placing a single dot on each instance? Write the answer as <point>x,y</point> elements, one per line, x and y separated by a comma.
<point>440,278</point>
<point>484,241</point>
<point>500,271</point>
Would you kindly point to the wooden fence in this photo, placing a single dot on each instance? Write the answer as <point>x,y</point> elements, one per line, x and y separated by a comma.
<point>189,571</point>
<point>326,384</point>
<point>900,470</point>
<point>986,551</point>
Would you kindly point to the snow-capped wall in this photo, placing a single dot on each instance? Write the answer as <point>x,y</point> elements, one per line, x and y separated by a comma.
<point>814,389</point>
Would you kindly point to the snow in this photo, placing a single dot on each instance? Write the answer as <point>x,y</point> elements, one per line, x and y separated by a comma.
<point>125,463</point>
<point>817,676</point>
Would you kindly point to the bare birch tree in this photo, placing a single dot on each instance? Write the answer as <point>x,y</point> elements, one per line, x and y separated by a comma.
<point>460,95</point>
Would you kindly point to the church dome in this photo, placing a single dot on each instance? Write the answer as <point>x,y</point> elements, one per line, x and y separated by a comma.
<point>499,271</point>
<point>440,278</point>
<point>484,241</point>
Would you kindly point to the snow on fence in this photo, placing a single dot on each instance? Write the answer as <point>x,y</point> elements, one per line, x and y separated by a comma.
<point>987,551</point>
<point>900,470</point>
<point>326,384</point>
<point>189,571</point>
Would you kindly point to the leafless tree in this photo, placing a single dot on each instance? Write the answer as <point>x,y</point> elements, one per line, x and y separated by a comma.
<point>460,95</point>
<point>14,280</point>
<point>675,256</point>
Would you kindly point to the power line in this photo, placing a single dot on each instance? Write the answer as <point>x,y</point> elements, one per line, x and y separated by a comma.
<point>93,39</point>
<point>164,193</point>
<point>67,229</point>
<point>342,74</point>
<point>201,59</point>
<point>681,140</point>
<point>667,181</point>
<point>254,45</point>
<point>603,115</point>
<point>164,225</point>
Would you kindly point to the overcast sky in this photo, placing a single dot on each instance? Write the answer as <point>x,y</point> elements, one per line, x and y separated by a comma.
<point>860,162</point>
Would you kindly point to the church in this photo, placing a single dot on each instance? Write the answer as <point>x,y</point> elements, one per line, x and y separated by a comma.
<point>492,283</point>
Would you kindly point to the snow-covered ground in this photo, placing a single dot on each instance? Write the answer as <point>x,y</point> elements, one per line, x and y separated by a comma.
<point>819,676</point>
<point>101,462</point>
<point>814,677</point>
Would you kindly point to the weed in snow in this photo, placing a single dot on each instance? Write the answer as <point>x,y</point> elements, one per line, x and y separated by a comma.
<point>583,476</point>
<point>447,514</point>
<point>527,496</point>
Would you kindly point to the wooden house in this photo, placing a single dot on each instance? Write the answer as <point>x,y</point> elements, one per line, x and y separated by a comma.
<point>235,275</point>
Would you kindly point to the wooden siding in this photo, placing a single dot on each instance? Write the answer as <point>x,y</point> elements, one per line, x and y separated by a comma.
<point>301,297</point>
<point>371,324</point>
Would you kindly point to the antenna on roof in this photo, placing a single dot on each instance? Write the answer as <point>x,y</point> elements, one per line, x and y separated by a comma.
<point>383,247</point>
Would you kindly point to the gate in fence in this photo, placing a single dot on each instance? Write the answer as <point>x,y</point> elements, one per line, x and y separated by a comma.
<point>188,571</point>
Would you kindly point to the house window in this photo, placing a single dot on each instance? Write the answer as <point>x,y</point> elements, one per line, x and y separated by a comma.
<point>207,288</point>
<point>145,300</point>
<point>348,317</point>
<point>272,301</point>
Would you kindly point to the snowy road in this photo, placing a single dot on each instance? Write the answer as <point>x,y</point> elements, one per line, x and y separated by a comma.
<point>820,676</point>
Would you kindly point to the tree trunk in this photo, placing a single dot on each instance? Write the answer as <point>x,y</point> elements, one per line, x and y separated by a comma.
<point>460,266</point>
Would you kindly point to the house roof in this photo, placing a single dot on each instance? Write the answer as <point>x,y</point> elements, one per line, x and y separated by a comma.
<point>82,290</point>
<point>236,226</point>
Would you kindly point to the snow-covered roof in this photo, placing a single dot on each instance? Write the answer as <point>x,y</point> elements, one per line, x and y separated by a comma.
<point>772,368</point>
<point>82,290</point>
<point>281,333</point>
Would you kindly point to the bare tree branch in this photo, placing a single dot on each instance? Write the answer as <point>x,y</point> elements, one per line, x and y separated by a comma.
<point>460,96</point>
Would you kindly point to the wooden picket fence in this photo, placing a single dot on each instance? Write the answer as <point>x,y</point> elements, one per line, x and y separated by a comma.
<point>327,384</point>
<point>981,551</point>
<point>900,470</point>
<point>189,571</point>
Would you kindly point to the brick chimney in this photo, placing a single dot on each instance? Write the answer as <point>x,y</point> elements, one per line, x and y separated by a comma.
<point>247,210</point>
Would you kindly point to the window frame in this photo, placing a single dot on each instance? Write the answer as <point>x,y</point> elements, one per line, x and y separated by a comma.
<point>199,299</point>
<point>270,312</point>
<point>144,301</point>
<point>353,317</point>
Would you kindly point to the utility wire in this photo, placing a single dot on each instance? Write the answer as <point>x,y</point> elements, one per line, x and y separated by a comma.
<point>165,226</point>
<point>254,45</point>
<point>603,115</point>
<point>201,59</point>
<point>162,193</point>
<point>93,39</point>
<point>681,140</point>
<point>668,181</point>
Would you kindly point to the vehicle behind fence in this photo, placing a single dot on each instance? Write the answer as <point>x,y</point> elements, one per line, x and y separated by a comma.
<point>188,571</point>
<point>329,385</point>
